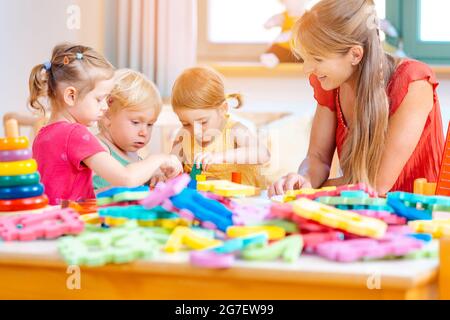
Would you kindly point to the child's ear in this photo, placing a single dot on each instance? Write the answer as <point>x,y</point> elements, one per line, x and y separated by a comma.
<point>70,96</point>
<point>224,107</point>
<point>356,55</point>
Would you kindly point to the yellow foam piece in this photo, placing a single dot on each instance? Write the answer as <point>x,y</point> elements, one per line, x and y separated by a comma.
<point>339,219</point>
<point>163,223</point>
<point>291,195</point>
<point>185,236</point>
<point>273,232</point>
<point>437,228</point>
<point>226,188</point>
<point>200,177</point>
<point>115,222</point>
<point>91,218</point>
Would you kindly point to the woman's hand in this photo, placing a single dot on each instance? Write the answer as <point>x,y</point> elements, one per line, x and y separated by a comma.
<point>292,181</point>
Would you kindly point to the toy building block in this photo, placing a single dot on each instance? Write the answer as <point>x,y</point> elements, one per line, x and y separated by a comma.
<point>313,239</point>
<point>189,204</point>
<point>423,187</point>
<point>249,214</point>
<point>47,225</point>
<point>437,228</point>
<point>212,260</point>
<point>411,206</point>
<point>183,236</point>
<point>286,225</point>
<point>122,194</point>
<point>368,249</point>
<point>388,217</point>
<point>137,212</point>
<point>443,184</point>
<point>194,173</point>
<point>356,203</point>
<point>120,245</point>
<point>236,177</point>
<point>226,188</point>
<point>339,219</point>
<point>273,232</point>
<point>239,244</point>
<point>289,249</point>
<point>82,207</point>
<point>200,177</point>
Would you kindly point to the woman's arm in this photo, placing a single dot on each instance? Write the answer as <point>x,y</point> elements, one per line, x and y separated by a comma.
<point>406,126</point>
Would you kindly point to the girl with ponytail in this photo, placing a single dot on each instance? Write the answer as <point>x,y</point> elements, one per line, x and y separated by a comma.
<point>381,114</point>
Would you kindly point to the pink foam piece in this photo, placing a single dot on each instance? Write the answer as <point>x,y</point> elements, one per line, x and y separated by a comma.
<point>47,225</point>
<point>385,216</point>
<point>354,250</point>
<point>186,214</point>
<point>164,191</point>
<point>248,214</point>
<point>209,225</point>
<point>210,259</point>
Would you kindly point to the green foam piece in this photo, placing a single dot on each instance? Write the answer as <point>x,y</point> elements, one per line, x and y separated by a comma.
<point>288,226</point>
<point>118,245</point>
<point>345,201</point>
<point>288,249</point>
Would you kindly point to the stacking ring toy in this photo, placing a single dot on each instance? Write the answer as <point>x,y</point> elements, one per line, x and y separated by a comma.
<point>24,204</point>
<point>15,155</point>
<point>13,143</point>
<point>18,167</point>
<point>20,180</point>
<point>21,192</point>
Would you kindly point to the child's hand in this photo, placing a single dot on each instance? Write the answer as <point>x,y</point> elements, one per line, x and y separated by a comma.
<point>171,167</point>
<point>206,159</point>
<point>157,178</point>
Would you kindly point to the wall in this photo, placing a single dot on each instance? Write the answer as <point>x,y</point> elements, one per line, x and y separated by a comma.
<point>29,29</point>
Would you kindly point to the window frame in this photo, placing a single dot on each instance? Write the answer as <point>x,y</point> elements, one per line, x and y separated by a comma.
<point>409,30</point>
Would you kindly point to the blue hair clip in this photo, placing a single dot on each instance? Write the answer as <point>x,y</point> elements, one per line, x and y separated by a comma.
<point>47,65</point>
<point>79,56</point>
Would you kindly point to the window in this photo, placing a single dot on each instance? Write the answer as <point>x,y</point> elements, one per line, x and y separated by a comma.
<point>233,30</point>
<point>424,28</point>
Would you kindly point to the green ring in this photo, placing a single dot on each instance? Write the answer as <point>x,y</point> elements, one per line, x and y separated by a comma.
<point>19,180</point>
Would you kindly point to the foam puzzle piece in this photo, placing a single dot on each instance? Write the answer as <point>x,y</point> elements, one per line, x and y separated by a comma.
<point>119,245</point>
<point>19,180</point>
<point>249,214</point>
<point>226,188</point>
<point>24,204</point>
<point>21,192</point>
<point>169,224</point>
<point>273,232</point>
<point>194,173</point>
<point>436,228</point>
<point>356,190</point>
<point>15,155</point>
<point>443,184</point>
<point>164,191</point>
<point>429,251</point>
<point>47,225</point>
<point>137,212</point>
<point>183,236</point>
<point>289,249</point>
<point>408,212</point>
<point>339,219</point>
<point>288,226</point>
<point>239,244</point>
<point>211,260</point>
<point>121,194</point>
<point>313,239</point>
<point>82,207</point>
<point>421,202</point>
<point>14,143</point>
<point>423,187</point>
<point>18,167</point>
<point>368,249</point>
<point>388,217</point>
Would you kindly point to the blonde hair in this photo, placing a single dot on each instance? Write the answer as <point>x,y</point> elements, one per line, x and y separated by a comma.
<point>201,88</point>
<point>132,91</point>
<point>335,26</point>
<point>76,65</point>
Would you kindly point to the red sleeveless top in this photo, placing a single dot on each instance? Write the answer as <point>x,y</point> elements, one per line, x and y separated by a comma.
<point>426,158</point>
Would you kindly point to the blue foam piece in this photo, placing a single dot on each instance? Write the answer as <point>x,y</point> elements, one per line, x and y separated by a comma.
<point>116,190</point>
<point>409,213</point>
<point>137,212</point>
<point>421,236</point>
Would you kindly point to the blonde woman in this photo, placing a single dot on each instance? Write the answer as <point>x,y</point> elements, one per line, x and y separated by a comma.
<point>210,137</point>
<point>134,106</point>
<point>382,115</point>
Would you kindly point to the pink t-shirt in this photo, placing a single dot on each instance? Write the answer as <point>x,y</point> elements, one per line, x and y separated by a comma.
<point>59,150</point>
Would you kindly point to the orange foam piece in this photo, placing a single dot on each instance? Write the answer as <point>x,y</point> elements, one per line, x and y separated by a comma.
<point>443,184</point>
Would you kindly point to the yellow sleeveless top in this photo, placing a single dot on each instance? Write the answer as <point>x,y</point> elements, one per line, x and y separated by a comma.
<point>250,173</point>
<point>288,24</point>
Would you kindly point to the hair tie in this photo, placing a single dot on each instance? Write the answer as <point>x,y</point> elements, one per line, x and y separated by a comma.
<point>66,60</point>
<point>47,65</point>
<point>79,55</point>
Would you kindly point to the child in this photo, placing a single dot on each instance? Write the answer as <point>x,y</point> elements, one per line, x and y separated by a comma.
<point>381,114</point>
<point>77,82</point>
<point>134,106</point>
<point>210,137</point>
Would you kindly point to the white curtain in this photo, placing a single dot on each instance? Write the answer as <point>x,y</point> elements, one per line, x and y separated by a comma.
<point>156,37</point>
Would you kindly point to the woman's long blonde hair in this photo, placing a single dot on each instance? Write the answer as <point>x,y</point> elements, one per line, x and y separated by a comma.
<point>71,64</point>
<point>201,88</point>
<point>334,27</point>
